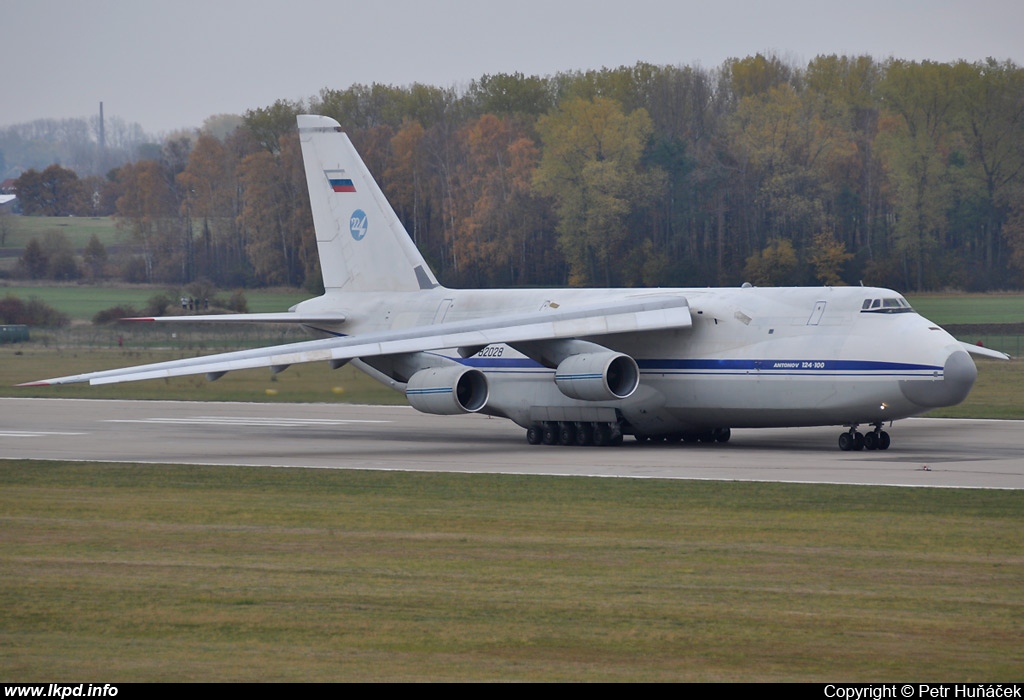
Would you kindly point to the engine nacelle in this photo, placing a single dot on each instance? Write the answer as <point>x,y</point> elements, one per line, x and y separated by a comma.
<point>598,376</point>
<point>447,391</point>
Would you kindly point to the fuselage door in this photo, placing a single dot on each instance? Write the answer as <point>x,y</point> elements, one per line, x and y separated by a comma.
<point>819,309</point>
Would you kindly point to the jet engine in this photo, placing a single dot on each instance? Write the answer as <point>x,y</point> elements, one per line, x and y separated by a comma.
<point>598,376</point>
<point>447,391</point>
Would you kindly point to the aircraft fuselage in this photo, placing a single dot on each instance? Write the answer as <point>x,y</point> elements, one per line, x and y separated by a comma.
<point>754,357</point>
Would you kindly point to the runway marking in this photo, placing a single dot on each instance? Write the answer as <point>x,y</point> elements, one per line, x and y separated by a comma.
<point>247,421</point>
<point>32,433</point>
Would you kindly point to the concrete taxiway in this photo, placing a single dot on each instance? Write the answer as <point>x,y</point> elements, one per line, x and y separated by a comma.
<point>924,452</point>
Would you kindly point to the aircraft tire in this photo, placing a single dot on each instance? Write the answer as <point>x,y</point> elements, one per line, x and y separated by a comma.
<point>534,435</point>
<point>871,441</point>
<point>614,434</point>
<point>601,435</point>
<point>858,442</point>
<point>723,434</point>
<point>566,434</point>
<point>584,435</point>
<point>884,440</point>
<point>845,442</point>
<point>550,434</point>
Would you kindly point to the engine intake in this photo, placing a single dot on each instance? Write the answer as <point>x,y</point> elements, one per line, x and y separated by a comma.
<point>447,391</point>
<point>598,376</point>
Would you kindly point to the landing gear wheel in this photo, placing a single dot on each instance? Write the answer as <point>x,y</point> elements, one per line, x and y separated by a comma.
<point>601,435</point>
<point>845,442</point>
<point>584,435</point>
<point>858,442</point>
<point>883,440</point>
<point>534,435</point>
<point>723,434</point>
<point>550,433</point>
<point>871,441</point>
<point>615,436</point>
<point>566,434</point>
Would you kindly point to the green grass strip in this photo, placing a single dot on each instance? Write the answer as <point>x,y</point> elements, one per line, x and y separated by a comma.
<point>143,573</point>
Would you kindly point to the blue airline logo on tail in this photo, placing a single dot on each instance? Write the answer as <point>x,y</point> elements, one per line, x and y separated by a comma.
<point>357,224</point>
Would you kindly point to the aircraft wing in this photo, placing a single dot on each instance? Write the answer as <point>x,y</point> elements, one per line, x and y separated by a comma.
<point>984,352</point>
<point>638,314</point>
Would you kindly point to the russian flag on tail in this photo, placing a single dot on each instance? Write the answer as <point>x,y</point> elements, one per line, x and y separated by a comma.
<point>340,182</point>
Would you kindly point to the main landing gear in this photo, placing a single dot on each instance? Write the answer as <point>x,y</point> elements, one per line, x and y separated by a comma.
<point>851,440</point>
<point>580,433</point>
<point>585,433</point>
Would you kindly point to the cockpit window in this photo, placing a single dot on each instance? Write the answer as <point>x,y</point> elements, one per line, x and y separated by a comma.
<point>889,305</point>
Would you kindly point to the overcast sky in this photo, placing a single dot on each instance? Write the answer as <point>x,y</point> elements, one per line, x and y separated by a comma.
<point>171,64</point>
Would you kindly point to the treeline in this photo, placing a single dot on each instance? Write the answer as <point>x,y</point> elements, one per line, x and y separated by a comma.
<point>896,173</point>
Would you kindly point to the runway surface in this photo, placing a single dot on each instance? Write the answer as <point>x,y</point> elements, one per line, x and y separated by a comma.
<point>924,452</point>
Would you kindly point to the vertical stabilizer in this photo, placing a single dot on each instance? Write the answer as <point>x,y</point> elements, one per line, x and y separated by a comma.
<point>363,246</point>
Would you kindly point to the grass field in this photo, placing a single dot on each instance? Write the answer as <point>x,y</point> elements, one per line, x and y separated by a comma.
<point>78,229</point>
<point>82,302</point>
<point>312,382</point>
<point>946,309</point>
<point>142,573</point>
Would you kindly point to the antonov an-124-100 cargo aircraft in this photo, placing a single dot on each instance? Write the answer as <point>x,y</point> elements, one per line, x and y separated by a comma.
<point>588,366</point>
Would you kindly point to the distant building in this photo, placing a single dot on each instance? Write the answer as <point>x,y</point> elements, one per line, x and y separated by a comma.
<point>8,196</point>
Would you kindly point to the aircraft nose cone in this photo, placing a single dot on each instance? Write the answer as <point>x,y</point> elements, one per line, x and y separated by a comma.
<point>957,379</point>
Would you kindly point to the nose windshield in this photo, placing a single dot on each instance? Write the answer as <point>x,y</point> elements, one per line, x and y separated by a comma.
<point>886,305</point>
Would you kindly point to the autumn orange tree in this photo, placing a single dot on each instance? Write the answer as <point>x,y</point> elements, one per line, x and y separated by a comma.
<point>275,215</point>
<point>148,210</point>
<point>211,206</point>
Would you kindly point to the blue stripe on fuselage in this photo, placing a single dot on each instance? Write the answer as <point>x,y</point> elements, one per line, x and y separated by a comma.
<point>731,366</point>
